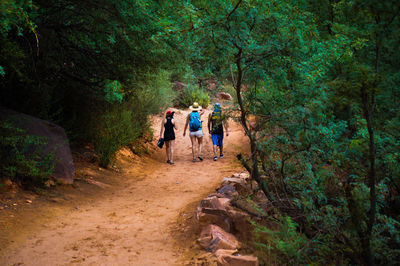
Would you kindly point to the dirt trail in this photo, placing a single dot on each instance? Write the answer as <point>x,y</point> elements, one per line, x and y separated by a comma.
<point>135,220</point>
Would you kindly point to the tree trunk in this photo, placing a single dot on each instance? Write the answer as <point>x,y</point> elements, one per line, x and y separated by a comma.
<point>368,115</point>
<point>254,173</point>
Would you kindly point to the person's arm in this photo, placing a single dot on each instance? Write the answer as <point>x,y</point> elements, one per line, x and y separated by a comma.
<point>225,124</point>
<point>173,123</point>
<point>186,125</point>
<point>162,128</point>
<point>209,123</point>
<point>201,112</point>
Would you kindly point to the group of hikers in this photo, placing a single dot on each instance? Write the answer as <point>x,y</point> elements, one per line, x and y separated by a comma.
<point>217,122</point>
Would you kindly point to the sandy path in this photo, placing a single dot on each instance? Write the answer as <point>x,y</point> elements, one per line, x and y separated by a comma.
<point>130,223</point>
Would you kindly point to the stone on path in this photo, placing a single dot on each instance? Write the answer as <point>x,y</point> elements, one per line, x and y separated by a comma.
<point>228,191</point>
<point>213,210</point>
<point>231,260</point>
<point>215,202</point>
<point>240,223</point>
<point>214,237</point>
<point>206,216</point>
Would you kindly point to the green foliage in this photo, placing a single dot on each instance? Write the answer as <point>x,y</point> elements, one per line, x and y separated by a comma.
<point>156,92</point>
<point>14,19</point>
<point>284,245</point>
<point>94,60</point>
<point>192,93</point>
<point>20,157</point>
<point>114,129</point>
<point>121,124</point>
<point>113,92</point>
<point>322,80</point>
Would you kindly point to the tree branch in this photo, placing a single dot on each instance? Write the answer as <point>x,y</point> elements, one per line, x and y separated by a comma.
<point>234,9</point>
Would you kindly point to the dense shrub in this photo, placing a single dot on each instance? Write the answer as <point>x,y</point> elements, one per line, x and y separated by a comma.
<point>283,245</point>
<point>125,118</point>
<point>79,65</point>
<point>155,93</point>
<point>318,88</point>
<point>115,128</point>
<point>193,93</point>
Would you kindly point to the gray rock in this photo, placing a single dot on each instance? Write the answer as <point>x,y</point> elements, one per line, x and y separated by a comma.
<point>56,139</point>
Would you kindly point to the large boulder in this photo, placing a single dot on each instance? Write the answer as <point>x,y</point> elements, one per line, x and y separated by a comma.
<point>55,137</point>
<point>224,96</point>
<point>214,237</point>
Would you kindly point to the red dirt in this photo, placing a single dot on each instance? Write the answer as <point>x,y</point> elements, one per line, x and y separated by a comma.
<point>137,214</point>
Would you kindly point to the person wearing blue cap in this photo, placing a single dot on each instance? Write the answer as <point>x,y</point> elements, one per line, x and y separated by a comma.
<point>216,125</point>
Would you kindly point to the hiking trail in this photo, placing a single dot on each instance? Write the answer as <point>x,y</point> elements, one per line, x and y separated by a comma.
<point>134,217</point>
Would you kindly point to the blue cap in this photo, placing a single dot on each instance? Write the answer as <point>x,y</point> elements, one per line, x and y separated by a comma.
<point>217,106</point>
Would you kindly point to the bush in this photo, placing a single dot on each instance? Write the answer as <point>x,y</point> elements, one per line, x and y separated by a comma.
<point>192,94</point>
<point>116,128</point>
<point>156,93</point>
<point>282,246</point>
<point>125,119</point>
<point>20,158</point>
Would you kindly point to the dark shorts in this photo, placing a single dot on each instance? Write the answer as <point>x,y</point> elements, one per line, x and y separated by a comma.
<point>168,137</point>
<point>217,139</point>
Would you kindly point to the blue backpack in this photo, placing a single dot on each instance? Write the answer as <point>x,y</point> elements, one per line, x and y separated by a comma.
<point>194,121</point>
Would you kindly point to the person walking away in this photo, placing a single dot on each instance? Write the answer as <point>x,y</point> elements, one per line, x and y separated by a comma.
<point>193,120</point>
<point>216,124</point>
<point>167,127</point>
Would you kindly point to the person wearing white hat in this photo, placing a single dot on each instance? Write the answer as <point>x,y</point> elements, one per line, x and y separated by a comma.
<point>193,120</point>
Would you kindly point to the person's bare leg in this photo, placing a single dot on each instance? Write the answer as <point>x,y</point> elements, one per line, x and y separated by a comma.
<point>200,141</point>
<point>171,151</point>
<point>167,149</point>
<point>193,140</point>
<point>215,148</point>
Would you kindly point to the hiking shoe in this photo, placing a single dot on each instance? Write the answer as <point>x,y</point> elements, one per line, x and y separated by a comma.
<point>200,158</point>
<point>194,160</point>
<point>171,162</point>
<point>215,158</point>
<point>221,156</point>
<point>168,161</point>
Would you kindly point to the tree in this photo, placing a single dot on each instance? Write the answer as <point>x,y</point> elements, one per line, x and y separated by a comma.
<point>76,63</point>
<point>311,81</point>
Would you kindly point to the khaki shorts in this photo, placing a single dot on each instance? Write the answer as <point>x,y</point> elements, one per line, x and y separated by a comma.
<point>197,134</point>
